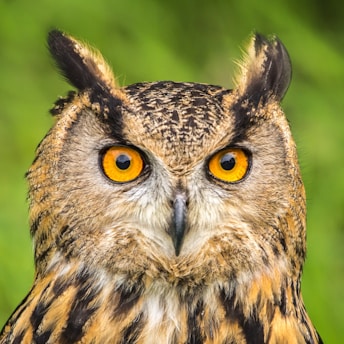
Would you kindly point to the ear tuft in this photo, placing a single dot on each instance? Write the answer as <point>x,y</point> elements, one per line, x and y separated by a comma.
<point>265,71</point>
<point>80,65</point>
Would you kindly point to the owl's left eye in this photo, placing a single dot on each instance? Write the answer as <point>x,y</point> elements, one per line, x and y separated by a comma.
<point>229,165</point>
<point>122,164</point>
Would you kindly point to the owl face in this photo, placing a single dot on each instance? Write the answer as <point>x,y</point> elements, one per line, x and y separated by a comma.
<point>172,180</point>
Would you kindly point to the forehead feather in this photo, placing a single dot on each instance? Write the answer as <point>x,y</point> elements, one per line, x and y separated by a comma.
<point>181,117</point>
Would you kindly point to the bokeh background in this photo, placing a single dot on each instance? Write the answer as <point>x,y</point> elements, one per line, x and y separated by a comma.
<point>183,40</point>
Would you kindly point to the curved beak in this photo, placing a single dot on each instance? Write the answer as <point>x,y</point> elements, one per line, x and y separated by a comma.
<point>177,229</point>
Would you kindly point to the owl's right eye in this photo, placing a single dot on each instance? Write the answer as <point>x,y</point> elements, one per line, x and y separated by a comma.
<point>122,164</point>
<point>229,165</point>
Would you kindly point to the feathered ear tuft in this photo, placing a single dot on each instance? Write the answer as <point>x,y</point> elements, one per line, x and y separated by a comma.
<point>265,71</point>
<point>82,67</point>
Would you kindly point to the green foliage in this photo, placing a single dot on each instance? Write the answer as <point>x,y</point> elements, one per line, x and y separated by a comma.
<point>184,41</point>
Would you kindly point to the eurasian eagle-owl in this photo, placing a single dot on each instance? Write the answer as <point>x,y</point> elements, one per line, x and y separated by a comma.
<point>166,212</point>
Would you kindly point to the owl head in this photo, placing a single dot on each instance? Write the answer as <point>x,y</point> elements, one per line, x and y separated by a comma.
<point>178,181</point>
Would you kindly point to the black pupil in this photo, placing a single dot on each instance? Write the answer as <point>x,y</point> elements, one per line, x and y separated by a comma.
<point>123,161</point>
<point>227,162</point>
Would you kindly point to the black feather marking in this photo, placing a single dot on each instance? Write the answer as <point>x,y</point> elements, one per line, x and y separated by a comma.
<point>65,241</point>
<point>38,313</point>
<point>77,319</point>
<point>253,331</point>
<point>128,297</point>
<point>61,285</point>
<point>275,71</point>
<point>74,67</point>
<point>132,332</point>
<point>81,310</point>
<point>42,338</point>
<point>18,339</point>
<point>233,312</point>
<point>194,331</point>
<point>37,221</point>
<point>278,69</point>
<point>222,94</point>
<point>110,112</point>
<point>41,257</point>
<point>283,302</point>
<point>41,309</point>
<point>252,327</point>
<point>243,122</point>
<point>61,103</point>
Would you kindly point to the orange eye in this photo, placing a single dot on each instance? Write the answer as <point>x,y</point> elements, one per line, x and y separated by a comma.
<point>229,165</point>
<point>122,164</point>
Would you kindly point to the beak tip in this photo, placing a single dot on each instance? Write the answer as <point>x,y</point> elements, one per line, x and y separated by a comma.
<point>178,226</point>
<point>177,247</point>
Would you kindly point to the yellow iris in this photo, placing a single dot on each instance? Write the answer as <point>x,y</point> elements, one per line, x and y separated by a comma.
<point>229,165</point>
<point>122,164</point>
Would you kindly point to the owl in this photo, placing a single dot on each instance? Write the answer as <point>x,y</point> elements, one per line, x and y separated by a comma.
<point>166,212</point>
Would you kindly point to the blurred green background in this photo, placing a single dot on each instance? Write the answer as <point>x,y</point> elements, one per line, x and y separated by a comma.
<point>184,41</point>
